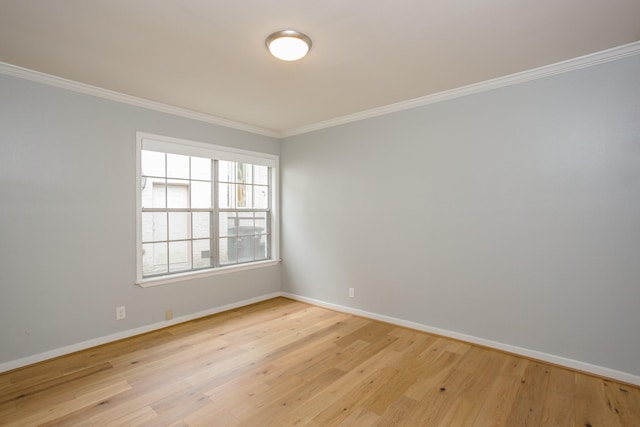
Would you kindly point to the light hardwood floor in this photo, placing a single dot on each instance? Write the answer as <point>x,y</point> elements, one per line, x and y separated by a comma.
<point>282,362</point>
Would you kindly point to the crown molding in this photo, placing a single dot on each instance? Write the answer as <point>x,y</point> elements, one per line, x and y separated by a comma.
<point>608,55</point>
<point>36,76</point>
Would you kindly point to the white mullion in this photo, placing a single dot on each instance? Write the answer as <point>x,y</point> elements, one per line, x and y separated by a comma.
<point>214,237</point>
<point>269,243</point>
<point>166,204</point>
<point>190,217</point>
<point>176,210</point>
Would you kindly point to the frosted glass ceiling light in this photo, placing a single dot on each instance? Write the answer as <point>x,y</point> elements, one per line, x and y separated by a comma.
<point>288,45</point>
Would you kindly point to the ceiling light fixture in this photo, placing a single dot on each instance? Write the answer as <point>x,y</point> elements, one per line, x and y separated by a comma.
<point>288,45</point>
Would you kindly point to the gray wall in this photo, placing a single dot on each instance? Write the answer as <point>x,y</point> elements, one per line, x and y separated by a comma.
<point>511,215</point>
<point>67,251</point>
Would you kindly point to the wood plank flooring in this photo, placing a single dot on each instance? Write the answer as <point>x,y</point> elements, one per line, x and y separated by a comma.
<point>286,363</point>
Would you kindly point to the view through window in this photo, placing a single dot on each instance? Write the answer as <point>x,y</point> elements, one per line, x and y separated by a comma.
<point>200,212</point>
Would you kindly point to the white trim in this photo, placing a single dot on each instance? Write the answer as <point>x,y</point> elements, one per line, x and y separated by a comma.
<point>180,277</point>
<point>275,210</point>
<point>533,354</point>
<point>29,360</point>
<point>512,79</point>
<point>138,206</point>
<point>36,76</point>
<point>150,141</point>
<point>596,58</point>
<point>187,147</point>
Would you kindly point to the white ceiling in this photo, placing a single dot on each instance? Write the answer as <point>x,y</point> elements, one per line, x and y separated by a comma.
<point>209,56</point>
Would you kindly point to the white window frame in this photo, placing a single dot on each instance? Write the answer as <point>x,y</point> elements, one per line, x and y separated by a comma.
<point>217,152</point>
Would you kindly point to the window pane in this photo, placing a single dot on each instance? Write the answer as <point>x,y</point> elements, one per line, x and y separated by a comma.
<point>201,224</point>
<point>179,256</point>
<point>147,226</point>
<point>261,247</point>
<point>152,163</point>
<point>159,199</point>
<point>244,172</point>
<point>244,197</point>
<point>200,194</point>
<point>260,175</point>
<point>201,168</point>
<point>153,194</point>
<point>226,171</point>
<point>261,196</point>
<point>226,196</point>
<point>179,226</point>
<point>202,253</point>
<point>179,204</point>
<point>228,250</point>
<point>177,166</point>
<point>261,223</point>
<point>245,248</point>
<point>177,193</point>
<point>227,224</point>
<point>245,221</point>
<point>154,226</point>
<point>154,258</point>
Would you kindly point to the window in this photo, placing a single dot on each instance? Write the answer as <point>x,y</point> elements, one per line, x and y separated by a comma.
<point>203,209</point>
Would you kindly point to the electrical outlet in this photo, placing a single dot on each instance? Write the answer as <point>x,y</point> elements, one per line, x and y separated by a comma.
<point>352,293</point>
<point>168,315</point>
<point>120,313</point>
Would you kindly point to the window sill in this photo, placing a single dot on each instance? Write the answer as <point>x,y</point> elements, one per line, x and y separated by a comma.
<point>180,277</point>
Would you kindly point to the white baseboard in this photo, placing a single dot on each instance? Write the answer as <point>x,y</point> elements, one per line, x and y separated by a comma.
<point>29,360</point>
<point>532,354</point>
